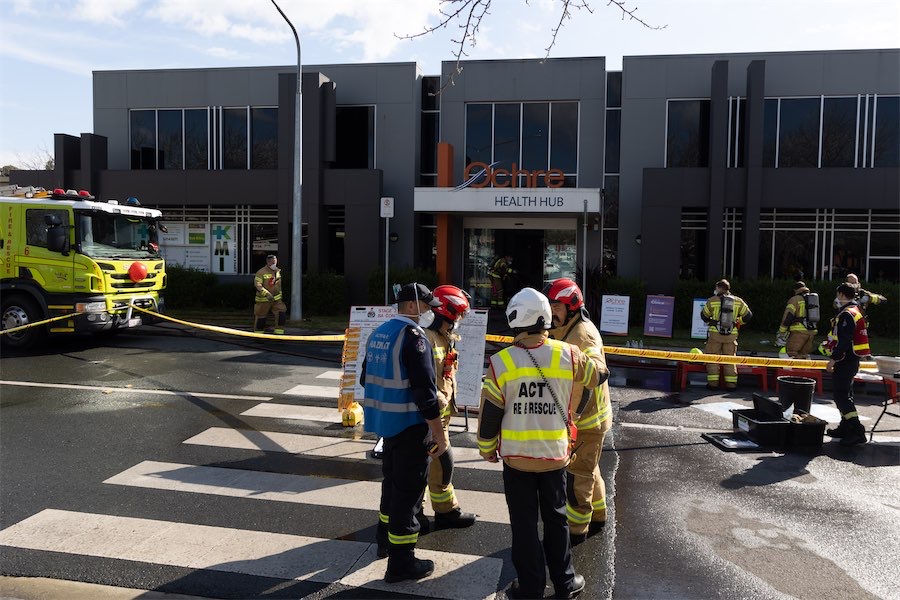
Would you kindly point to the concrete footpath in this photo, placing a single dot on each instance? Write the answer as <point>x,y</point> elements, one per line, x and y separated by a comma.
<point>41,588</point>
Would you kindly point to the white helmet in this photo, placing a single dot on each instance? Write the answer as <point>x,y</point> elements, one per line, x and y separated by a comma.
<point>529,308</point>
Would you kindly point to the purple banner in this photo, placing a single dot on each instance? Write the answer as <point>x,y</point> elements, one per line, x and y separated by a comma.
<point>659,316</point>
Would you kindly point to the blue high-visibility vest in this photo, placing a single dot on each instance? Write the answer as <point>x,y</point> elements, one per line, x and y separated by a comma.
<point>388,406</point>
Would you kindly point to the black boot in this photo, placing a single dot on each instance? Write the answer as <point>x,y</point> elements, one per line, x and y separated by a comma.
<point>416,569</point>
<point>424,523</point>
<point>575,588</point>
<point>596,527</point>
<point>855,434</point>
<point>455,519</point>
<point>577,538</point>
<point>840,431</point>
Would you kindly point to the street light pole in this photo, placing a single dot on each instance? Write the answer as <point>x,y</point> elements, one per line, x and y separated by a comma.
<point>297,230</point>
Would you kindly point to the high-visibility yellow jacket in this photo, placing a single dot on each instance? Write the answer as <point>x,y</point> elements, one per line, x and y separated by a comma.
<point>445,368</point>
<point>267,280</point>
<point>583,334</point>
<point>794,315</point>
<point>712,311</point>
<point>533,433</point>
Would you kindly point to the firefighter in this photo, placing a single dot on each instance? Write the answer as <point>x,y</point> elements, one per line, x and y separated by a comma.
<point>724,314</point>
<point>499,274</point>
<point>851,343</point>
<point>585,490</point>
<point>799,322</point>
<point>527,419</point>
<point>864,297</point>
<point>443,337</point>
<point>267,282</point>
<point>401,405</point>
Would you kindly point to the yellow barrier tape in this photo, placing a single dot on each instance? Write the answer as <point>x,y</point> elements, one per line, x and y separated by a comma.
<point>37,323</point>
<point>264,336</point>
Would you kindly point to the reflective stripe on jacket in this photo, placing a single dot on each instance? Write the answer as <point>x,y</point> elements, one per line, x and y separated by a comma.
<point>444,380</point>
<point>860,335</point>
<point>388,405</point>
<point>532,426</point>
<point>711,313</point>
<point>794,318</point>
<point>267,280</point>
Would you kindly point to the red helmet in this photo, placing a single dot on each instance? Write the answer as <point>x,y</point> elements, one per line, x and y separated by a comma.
<point>566,292</point>
<point>454,302</point>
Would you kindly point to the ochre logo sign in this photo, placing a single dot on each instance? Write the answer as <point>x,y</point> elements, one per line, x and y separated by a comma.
<point>551,178</point>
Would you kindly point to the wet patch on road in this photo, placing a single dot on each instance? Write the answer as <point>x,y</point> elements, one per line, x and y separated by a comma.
<point>771,553</point>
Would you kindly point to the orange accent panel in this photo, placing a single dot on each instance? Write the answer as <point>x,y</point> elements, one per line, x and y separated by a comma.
<point>442,260</point>
<point>444,164</point>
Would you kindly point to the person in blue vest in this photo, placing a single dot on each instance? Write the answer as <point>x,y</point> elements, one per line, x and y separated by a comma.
<point>401,406</point>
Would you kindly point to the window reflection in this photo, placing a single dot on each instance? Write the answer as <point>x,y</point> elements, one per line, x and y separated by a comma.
<point>798,134</point>
<point>143,139</point>
<point>887,132</point>
<point>234,138</point>
<point>264,134</point>
<point>170,139</point>
<point>687,138</point>
<point>839,132</point>
<point>564,136</point>
<point>196,139</point>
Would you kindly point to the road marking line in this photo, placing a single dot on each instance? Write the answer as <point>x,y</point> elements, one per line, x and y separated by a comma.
<point>723,409</point>
<point>275,410</point>
<point>279,487</point>
<point>322,446</point>
<point>72,386</point>
<point>247,552</point>
<point>315,391</point>
<point>336,375</point>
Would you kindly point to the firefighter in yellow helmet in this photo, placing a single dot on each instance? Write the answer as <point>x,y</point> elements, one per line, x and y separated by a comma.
<point>527,418</point>
<point>441,332</point>
<point>799,322</point>
<point>586,491</point>
<point>724,314</point>
<point>267,282</point>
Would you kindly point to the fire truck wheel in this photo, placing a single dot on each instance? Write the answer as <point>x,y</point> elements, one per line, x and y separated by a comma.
<point>16,311</point>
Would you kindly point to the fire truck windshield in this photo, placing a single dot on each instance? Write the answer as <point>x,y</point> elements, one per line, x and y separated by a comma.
<point>106,235</point>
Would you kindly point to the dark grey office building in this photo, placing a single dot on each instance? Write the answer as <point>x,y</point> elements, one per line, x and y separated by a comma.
<point>748,165</point>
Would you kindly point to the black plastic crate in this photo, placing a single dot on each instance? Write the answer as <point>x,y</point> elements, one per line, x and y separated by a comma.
<point>762,430</point>
<point>808,435</point>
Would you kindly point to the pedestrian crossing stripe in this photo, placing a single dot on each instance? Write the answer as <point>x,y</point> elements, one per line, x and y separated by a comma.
<point>280,487</point>
<point>317,413</point>
<point>314,391</point>
<point>129,390</point>
<point>247,552</point>
<point>318,446</point>
<point>336,375</point>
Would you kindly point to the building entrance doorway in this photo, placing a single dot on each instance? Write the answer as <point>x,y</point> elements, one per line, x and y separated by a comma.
<point>540,253</point>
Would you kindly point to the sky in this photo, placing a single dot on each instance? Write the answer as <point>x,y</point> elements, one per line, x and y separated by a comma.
<point>49,48</point>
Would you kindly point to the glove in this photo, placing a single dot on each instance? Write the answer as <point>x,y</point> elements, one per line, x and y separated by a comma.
<point>270,295</point>
<point>781,339</point>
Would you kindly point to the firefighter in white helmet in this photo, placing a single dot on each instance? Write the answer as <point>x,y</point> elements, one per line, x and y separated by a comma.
<point>586,492</point>
<point>527,419</point>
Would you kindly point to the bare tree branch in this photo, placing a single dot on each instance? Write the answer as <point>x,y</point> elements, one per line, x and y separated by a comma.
<point>471,13</point>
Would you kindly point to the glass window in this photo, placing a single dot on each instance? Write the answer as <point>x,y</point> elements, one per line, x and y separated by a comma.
<point>196,139</point>
<point>479,245</point>
<point>355,137</point>
<point>610,252</point>
<point>792,252</point>
<point>765,253</point>
<point>887,132</point>
<point>430,88</point>
<point>234,138</point>
<point>564,136</point>
<point>687,138</point>
<point>506,137</point>
<point>613,132</point>
<point>170,139</point>
<point>478,133</point>
<point>736,128</point>
<point>264,136</point>
<point>535,123</point>
<point>798,133</point>
<point>36,225</point>
<point>884,269</point>
<point>143,139</point>
<point>839,132</point>
<point>614,89</point>
<point>884,243</point>
<point>611,202</point>
<point>770,133</point>
<point>428,160</point>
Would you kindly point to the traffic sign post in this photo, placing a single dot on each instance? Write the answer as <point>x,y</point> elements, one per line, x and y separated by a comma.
<point>387,211</point>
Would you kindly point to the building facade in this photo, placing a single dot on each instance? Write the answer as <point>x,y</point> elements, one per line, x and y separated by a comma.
<point>740,165</point>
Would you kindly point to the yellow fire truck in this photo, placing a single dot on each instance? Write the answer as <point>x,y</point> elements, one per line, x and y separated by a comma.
<point>64,253</point>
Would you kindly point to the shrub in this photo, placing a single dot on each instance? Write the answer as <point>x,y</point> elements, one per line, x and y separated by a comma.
<point>186,287</point>
<point>401,276</point>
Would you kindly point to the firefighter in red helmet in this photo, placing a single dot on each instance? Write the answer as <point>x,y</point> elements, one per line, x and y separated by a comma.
<point>586,492</point>
<point>441,332</point>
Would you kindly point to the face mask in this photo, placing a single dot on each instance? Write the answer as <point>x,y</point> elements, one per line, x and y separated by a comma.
<point>426,319</point>
<point>274,266</point>
<point>837,303</point>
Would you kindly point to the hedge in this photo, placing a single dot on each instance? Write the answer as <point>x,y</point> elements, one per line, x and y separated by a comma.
<point>323,293</point>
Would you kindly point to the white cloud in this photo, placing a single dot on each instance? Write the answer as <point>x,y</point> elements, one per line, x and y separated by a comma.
<point>44,56</point>
<point>107,12</point>
<point>225,53</point>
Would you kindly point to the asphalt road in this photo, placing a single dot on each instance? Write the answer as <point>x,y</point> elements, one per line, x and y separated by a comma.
<point>686,519</point>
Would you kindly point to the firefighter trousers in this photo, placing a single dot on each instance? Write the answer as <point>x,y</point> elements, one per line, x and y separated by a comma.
<point>799,343</point>
<point>527,495</point>
<point>440,473</point>
<point>585,490</point>
<point>842,384</point>
<point>404,465</point>
<point>726,345</point>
